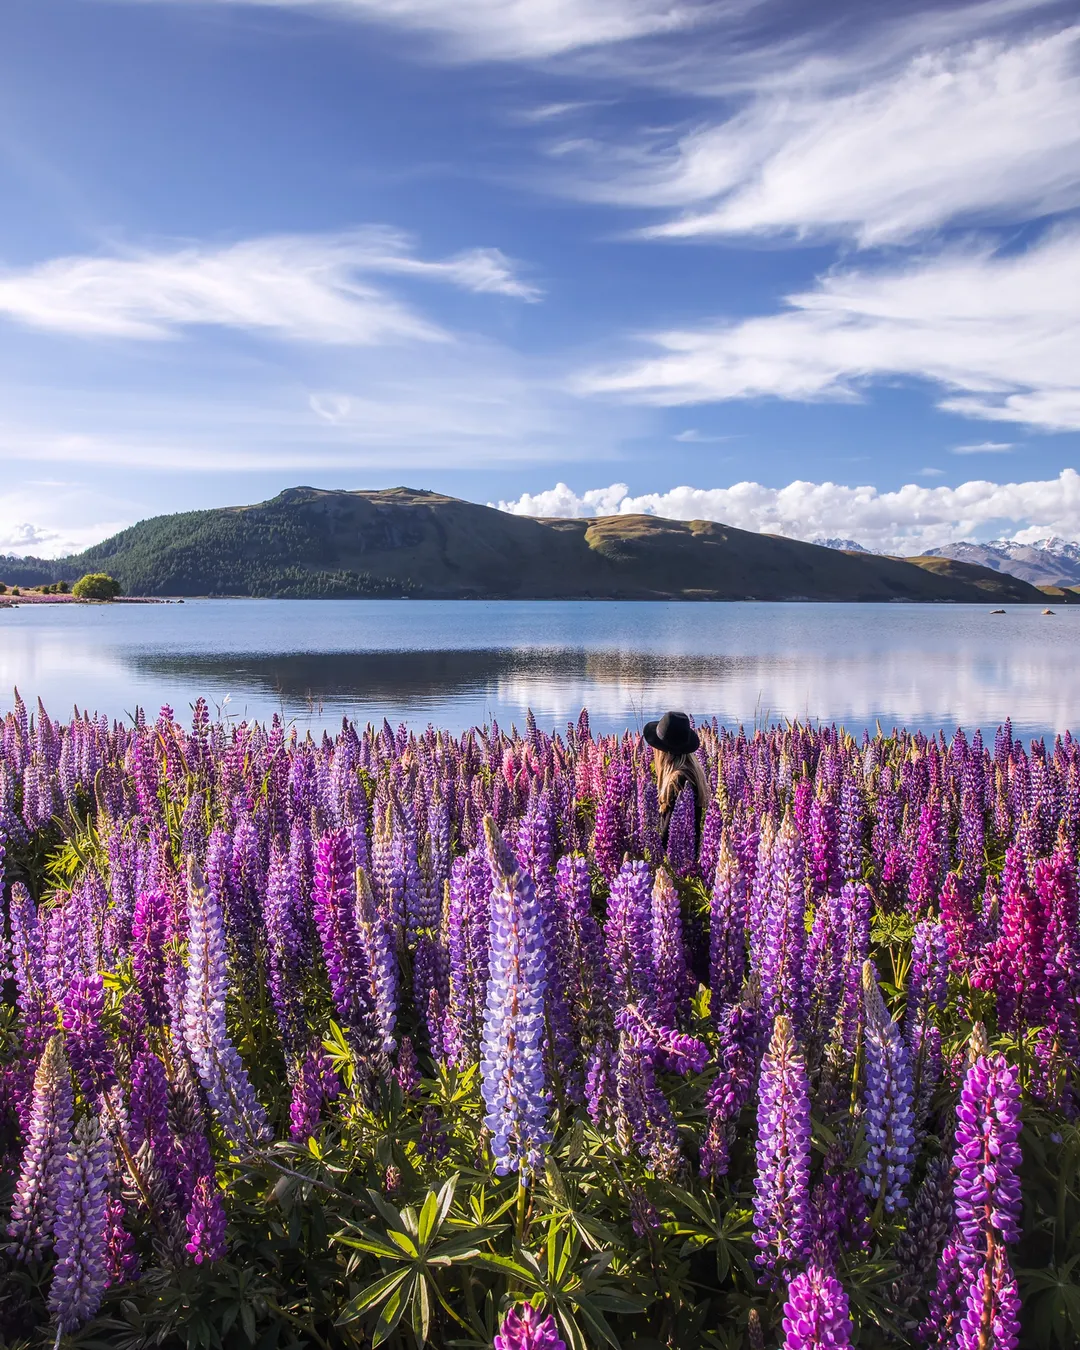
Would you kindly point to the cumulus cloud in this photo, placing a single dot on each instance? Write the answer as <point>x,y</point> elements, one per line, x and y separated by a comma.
<point>311,288</point>
<point>907,521</point>
<point>512,29</point>
<point>980,131</point>
<point>999,331</point>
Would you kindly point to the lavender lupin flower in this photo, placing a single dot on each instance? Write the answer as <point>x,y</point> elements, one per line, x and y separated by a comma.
<point>48,1135</point>
<point>148,934</point>
<point>782,1186</point>
<point>816,1313</point>
<point>527,1329</point>
<point>212,1052</point>
<point>512,1067</point>
<point>889,1103</point>
<point>81,1275</point>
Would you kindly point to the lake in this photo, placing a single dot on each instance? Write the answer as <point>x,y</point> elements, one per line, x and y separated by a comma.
<point>456,663</point>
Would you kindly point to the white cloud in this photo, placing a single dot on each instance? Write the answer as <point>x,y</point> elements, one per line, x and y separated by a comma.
<point>513,29</point>
<point>301,287</point>
<point>931,473</point>
<point>66,519</point>
<point>998,331</point>
<point>981,131</point>
<point>906,521</point>
<point>985,448</point>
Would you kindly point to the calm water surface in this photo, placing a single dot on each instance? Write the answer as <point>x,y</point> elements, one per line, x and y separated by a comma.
<point>459,663</point>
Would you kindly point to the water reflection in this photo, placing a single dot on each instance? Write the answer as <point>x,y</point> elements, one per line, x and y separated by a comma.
<point>456,664</point>
<point>419,679</point>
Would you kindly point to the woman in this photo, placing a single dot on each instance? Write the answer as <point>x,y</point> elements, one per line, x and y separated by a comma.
<point>676,767</point>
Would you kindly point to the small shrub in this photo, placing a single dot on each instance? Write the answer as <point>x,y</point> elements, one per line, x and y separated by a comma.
<point>15,590</point>
<point>3,589</point>
<point>96,586</point>
<point>62,588</point>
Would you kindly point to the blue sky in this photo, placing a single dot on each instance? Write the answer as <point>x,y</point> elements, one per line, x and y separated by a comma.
<point>812,268</point>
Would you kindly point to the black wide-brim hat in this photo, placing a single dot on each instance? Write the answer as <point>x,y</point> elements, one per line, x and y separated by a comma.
<point>672,733</point>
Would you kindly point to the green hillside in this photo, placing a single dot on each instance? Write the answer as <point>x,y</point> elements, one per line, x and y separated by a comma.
<point>308,542</point>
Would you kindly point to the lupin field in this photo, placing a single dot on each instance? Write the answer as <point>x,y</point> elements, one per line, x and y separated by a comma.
<point>413,1039</point>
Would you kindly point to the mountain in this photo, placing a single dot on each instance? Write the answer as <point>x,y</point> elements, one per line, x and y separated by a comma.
<point>1048,562</point>
<point>844,545</point>
<point>308,542</point>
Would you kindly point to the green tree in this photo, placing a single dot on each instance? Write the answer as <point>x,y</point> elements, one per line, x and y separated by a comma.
<point>96,586</point>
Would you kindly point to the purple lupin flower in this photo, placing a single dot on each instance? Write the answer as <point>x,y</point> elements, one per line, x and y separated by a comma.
<point>315,1084</point>
<point>782,982</point>
<point>987,1158</point>
<point>738,1057</point>
<point>148,935</point>
<point>286,950</point>
<point>600,1086</point>
<point>512,1066</point>
<point>48,1135</point>
<point>121,1258</point>
<point>644,1118</point>
<point>88,1050</point>
<point>628,935</point>
<point>206,1221</point>
<point>816,1313</point>
<point>378,938</point>
<point>926,994</point>
<point>727,930</point>
<point>213,1053</point>
<point>672,978</point>
<point>527,1329</point>
<point>28,964</point>
<point>148,1112</point>
<point>682,834</point>
<point>468,924</point>
<point>889,1102</point>
<point>346,960</point>
<point>782,1185</point>
<point>81,1275</point>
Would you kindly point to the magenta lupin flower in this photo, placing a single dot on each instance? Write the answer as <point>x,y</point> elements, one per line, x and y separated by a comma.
<point>991,1316</point>
<point>987,1158</point>
<point>816,1313</point>
<point>206,1222</point>
<point>81,1274</point>
<point>526,1329</point>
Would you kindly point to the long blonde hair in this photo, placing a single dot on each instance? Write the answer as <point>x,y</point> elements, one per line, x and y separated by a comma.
<point>672,771</point>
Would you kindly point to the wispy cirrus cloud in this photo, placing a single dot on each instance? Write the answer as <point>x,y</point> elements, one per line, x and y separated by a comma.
<point>984,131</point>
<point>985,448</point>
<point>309,288</point>
<point>997,331</point>
<point>512,29</point>
<point>906,521</point>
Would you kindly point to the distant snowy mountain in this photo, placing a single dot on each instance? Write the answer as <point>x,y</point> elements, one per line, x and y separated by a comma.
<point>1047,562</point>
<point>846,545</point>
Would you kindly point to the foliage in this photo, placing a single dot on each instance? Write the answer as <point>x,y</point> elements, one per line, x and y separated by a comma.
<point>96,586</point>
